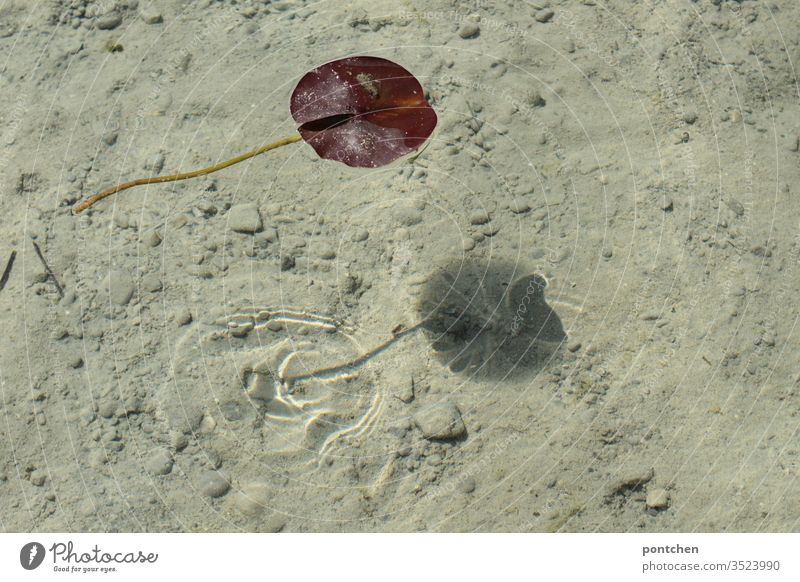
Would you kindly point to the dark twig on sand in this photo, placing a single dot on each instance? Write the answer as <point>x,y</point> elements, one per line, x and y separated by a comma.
<point>7,271</point>
<point>47,269</point>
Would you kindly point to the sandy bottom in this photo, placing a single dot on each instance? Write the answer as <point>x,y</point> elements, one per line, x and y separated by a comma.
<point>574,311</point>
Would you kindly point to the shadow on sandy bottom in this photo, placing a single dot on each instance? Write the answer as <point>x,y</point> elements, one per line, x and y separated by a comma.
<point>489,320</point>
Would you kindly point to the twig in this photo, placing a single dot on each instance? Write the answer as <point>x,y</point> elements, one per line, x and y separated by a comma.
<point>50,274</point>
<point>7,272</point>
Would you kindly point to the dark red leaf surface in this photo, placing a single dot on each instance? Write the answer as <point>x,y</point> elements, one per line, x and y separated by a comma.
<point>362,111</point>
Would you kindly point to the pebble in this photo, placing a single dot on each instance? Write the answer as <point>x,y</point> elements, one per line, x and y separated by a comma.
<point>269,235</point>
<point>478,217</point>
<point>574,346</point>
<point>441,421</point>
<point>213,484</point>
<point>360,235</point>
<point>689,117</point>
<point>544,15</point>
<point>468,244</point>
<point>253,498</point>
<point>178,440</point>
<point>274,523</point>
<point>152,239</point>
<point>736,207</point>
<point>109,21</point>
<point>183,316</point>
<point>107,408</point>
<point>519,206</point>
<point>151,283</point>
<point>159,463</point>
<point>287,262</point>
<point>120,286</point>
<point>469,30</point>
<point>735,116</point>
<point>152,17</point>
<point>75,360</point>
<point>408,216</point>
<point>467,485</point>
<point>657,499</point>
<point>245,218</point>
<point>325,251</point>
<point>490,229</point>
<point>38,477</point>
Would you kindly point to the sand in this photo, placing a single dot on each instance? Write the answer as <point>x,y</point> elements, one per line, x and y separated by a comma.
<point>574,311</point>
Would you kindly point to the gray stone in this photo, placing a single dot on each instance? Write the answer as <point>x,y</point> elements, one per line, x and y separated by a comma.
<point>657,499</point>
<point>441,421</point>
<point>109,21</point>
<point>467,485</point>
<point>120,287</point>
<point>159,463</point>
<point>38,477</point>
<point>519,206</point>
<point>152,239</point>
<point>469,30</point>
<point>253,498</point>
<point>152,17</point>
<point>245,218</point>
<point>151,283</point>
<point>479,216</point>
<point>324,251</point>
<point>213,484</point>
<point>183,316</point>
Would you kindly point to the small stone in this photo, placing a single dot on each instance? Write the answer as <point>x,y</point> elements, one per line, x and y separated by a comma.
<point>152,239</point>
<point>183,316</point>
<point>152,17</point>
<point>274,523</point>
<point>159,463</point>
<point>441,421</point>
<point>75,360</point>
<point>736,116</point>
<point>109,21</point>
<point>287,262</point>
<point>468,244</point>
<point>151,283</point>
<point>736,207</point>
<point>574,346</point>
<point>794,143</point>
<point>325,251</point>
<point>478,217</point>
<point>467,485</point>
<point>360,235</point>
<point>245,218</point>
<point>689,117</point>
<point>490,229</point>
<point>519,206</point>
<point>178,440</point>
<point>120,287</point>
<point>469,30</point>
<point>107,408</point>
<point>213,484</point>
<point>544,15</point>
<point>407,216</point>
<point>666,204</point>
<point>608,253</point>
<point>269,235</point>
<point>253,498</point>
<point>657,499</point>
<point>38,477</point>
